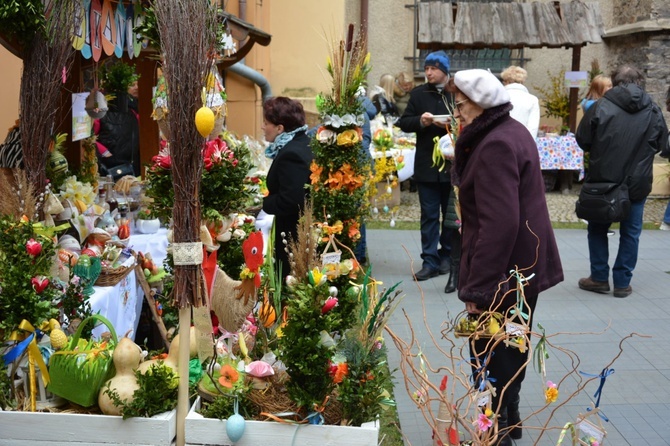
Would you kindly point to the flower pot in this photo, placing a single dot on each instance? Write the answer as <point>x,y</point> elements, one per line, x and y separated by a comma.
<point>148,226</point>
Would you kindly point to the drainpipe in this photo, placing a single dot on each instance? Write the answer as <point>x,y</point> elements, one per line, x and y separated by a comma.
<point>241,69</point>
<point>257,78</point>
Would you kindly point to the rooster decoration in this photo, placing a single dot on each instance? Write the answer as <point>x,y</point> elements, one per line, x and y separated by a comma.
<point>252,248</point>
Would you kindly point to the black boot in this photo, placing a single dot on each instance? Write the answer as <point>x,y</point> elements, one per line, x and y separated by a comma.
<point>513,416</point>
<point>452,282</point>
<point>503,432</point>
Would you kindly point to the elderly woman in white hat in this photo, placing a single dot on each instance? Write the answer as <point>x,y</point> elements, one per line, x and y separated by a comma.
<point>505,225</point>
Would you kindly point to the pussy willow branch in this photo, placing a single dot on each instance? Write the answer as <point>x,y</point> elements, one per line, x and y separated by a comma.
<point>45,56</point>
<point>187,32</point>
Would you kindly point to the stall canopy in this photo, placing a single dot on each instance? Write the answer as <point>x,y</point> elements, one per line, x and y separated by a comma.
<point>461,25</point>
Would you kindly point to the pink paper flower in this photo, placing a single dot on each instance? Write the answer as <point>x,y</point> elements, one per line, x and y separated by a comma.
<point>484,422</point>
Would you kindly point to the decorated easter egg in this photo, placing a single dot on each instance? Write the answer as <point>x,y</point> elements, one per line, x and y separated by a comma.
<point>57,162</point>
<point>204,121</point>
<point>235,427</point>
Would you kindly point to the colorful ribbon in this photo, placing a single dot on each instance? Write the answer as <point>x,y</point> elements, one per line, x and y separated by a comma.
<point>603,377</point>
<point>519,295</point>
<point>26,336</point>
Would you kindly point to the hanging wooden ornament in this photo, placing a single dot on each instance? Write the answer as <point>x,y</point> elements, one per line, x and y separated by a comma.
<point>96,104</point>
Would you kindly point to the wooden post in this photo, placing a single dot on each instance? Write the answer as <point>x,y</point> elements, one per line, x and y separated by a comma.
<point>184,355</point>
<point>574,92</point>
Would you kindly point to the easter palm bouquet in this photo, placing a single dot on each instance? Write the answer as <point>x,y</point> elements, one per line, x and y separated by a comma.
<point>340,171</point>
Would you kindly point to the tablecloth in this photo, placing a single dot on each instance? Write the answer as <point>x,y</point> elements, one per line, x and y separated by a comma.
<point>560,153</point>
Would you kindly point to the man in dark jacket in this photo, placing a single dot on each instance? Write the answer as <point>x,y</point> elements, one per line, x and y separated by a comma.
<point>433,184</point>
<point>622,132</point>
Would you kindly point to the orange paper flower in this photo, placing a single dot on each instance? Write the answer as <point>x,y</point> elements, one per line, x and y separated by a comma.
<point>229,376</point>
<point>315,177</point>
<point>341,372</point>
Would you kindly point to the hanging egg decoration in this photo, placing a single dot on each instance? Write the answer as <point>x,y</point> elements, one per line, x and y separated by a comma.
<point>389,190</point>
<point>392,223</point>
<point>375,210</point>
<point>204,121</point>
<point>235,424</point>
<point>386,209</point>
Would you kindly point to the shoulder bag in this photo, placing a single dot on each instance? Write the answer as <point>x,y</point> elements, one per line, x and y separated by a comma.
<point>605,202</point>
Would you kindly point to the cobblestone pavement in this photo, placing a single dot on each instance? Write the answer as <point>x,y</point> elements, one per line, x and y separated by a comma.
<point>561,208</point>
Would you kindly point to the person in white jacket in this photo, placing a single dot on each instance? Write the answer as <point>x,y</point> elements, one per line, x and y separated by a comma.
<point>526,106</point>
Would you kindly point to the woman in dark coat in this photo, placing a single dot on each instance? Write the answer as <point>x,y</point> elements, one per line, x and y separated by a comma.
<point>284,128</point>
<point>505,225</point>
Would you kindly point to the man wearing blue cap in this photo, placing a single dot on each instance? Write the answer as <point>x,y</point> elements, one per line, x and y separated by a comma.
<point>425,102</point>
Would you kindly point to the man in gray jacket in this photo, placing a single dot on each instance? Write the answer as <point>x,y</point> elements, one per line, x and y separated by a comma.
<point>623,131</point>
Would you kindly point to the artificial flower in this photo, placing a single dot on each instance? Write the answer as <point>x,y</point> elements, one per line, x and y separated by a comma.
<point>229,376</point>
<point>484,422</point>
<point>339,371</point>
<point>349,137</point>
<point>315,176</point>
<point>325,136</point>
<point>213,152</point>
<point>33,247</point>
<point>316,277</point>
<point>551,392</point>
<point>163,159</point>
<point>334,180</point>
<point>349,178</point>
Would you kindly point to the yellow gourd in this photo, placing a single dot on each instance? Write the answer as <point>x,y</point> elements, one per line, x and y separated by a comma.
<point>173,355</point>
<point>126,357</point>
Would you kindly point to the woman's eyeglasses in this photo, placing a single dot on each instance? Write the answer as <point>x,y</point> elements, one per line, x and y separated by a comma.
<point>459,103</point>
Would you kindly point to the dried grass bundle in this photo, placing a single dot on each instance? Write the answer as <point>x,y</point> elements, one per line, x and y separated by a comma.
<point>303,251</point>
<point>46,60</point>
<point>348,66</point>
<point>187,31</point>
<point>18,194</point>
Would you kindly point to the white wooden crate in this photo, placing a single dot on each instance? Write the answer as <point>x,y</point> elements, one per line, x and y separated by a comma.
<point>207,431</point>
<point>62,429</point>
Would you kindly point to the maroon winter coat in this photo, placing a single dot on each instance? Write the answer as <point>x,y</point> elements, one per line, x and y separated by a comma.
<point>502,200</point>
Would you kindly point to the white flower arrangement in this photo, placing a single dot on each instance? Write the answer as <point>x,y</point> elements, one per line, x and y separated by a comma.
<point>347,120</point>
<point>73,189</point>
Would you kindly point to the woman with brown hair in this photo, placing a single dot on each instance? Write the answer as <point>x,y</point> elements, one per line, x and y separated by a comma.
<point>284,128</point>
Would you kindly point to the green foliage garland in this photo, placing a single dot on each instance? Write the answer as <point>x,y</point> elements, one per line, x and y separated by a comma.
<point>18,298</point>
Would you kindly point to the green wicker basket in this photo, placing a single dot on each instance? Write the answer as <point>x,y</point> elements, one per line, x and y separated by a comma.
<point>79,371</point>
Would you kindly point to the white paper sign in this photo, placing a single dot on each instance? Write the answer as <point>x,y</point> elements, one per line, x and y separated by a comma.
<point>81,121</point>
<point>576,79</point>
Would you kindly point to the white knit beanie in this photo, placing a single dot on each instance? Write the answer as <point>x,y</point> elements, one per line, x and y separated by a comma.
<point>481,87</point>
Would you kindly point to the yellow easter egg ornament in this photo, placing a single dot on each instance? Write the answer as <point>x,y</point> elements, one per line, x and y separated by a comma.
<point>204,121</point>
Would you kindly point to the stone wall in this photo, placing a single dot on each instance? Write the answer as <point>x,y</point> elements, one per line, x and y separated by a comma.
<point>631,11</point>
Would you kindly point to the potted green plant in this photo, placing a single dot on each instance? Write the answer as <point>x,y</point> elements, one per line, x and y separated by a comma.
<point>116,79</point>
<point>147,222</point>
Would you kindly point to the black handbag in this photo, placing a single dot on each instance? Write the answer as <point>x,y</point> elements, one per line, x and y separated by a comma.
<point>603,202</point>
<point>119,171</point>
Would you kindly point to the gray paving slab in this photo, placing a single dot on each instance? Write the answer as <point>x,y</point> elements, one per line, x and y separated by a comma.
<point>635,398</point>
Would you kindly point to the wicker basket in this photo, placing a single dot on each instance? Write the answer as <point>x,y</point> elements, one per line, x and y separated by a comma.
<point>112,276</point>
<point>77,373</point>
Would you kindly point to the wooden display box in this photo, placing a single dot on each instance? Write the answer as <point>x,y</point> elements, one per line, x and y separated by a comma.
<point>382,198</point>
<point>67,429</point>
<point>207,431</point>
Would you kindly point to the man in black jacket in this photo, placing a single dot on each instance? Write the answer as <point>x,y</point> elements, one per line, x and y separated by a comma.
<point>623,131</point>
<point>433,184</point>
